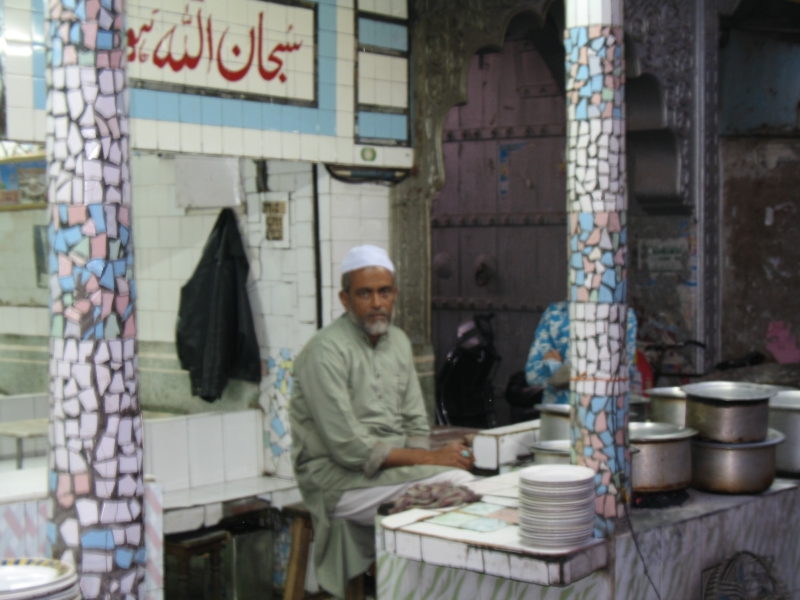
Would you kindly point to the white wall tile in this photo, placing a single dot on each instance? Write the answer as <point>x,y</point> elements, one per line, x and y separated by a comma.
<point>206,452</point>
<point>167,443</point>
<point>242,443</point>
<point>212,139</point>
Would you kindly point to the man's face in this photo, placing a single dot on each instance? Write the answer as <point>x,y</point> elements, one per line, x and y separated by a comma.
<point>370,300</point>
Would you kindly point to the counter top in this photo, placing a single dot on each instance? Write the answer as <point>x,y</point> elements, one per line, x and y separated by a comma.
<point>23,485</point>
<point>497,553</point>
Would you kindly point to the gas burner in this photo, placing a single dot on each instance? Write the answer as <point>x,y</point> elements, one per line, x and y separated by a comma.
<point>660,500</point>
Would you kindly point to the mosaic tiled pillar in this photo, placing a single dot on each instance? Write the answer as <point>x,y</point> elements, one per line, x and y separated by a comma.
<point>96,438</point>
<point>596,203</point>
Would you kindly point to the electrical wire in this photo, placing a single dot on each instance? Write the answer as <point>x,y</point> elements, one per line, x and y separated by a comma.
<point>639,551</point>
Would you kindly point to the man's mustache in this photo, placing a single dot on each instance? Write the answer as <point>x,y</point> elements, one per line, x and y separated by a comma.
<point>378,313</point>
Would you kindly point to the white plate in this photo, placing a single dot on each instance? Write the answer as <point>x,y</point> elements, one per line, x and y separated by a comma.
<point>559,503</point>
<point>535,542</point>
<point>561,538</point>
<point>539,515</point>
<point>556,475</point>
<point>558,535</point>
<point>529,489</point>
<point>33,577</point>
<point>556,519</point>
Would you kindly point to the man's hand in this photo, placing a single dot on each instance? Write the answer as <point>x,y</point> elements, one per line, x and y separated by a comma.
<point>454,454</point>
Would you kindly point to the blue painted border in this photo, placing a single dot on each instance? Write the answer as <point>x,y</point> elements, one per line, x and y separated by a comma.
<point>384,126</point>
<point>382,34</point>
<point>228,112</point>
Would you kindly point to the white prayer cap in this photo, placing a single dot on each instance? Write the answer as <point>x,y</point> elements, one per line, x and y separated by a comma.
<point>364,256</point>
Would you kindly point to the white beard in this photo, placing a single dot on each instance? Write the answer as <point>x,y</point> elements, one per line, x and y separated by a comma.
<point>377,327</point>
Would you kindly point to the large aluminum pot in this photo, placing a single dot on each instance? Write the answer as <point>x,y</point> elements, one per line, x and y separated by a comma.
<point>663,463</point>
<point>551,452</point>
<point>729,412</point>
<point>784,416</point>
<point>554,421</point>
<point>735,468</point>
<point>668,405</point>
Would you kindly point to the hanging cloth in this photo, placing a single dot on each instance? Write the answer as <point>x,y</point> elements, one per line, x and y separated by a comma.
<point>215,334</point>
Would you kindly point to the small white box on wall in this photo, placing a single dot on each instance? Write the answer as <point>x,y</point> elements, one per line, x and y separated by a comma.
<point>207,182</point>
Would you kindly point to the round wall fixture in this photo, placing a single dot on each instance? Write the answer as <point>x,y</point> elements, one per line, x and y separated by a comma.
<point>485,270</point>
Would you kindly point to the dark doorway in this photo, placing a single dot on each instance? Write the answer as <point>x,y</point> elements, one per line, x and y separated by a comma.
<point>499,223</point>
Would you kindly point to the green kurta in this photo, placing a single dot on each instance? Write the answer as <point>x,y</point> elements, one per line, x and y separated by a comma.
<point>351,404</point>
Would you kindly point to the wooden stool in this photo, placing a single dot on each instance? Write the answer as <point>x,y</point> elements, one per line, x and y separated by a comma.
<point>302,534</point>
<point>185,547</point>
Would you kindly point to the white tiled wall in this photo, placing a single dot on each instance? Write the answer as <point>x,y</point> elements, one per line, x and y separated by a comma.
<point>382,80</point>
<point>324,132</point>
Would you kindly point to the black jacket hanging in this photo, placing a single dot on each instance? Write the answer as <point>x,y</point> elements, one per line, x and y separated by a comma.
<point>215,334</point>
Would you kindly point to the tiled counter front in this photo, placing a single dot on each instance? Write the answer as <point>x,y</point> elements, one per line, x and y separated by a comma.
<point>403,579</point>
<point>678,545</point>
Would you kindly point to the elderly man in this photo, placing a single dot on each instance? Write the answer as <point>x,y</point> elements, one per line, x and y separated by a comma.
<point>360,435</point>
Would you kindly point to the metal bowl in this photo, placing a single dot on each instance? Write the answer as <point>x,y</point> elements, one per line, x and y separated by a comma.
<point>729,412</point>
<point>735,468</point>
<point>551,452</point>
<point>663,462</point>
<point>668,405</point>
<point>784,416</point>
<point>555,421</point>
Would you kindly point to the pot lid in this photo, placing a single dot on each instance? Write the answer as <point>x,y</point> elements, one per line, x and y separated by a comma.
<point>553,446</point>
<point>637,399</point>
<point>730,391</point>
<point>788,400</point>
<point>774,437</point>
<point>667,392</point>
<point>658,432</point>
<point>556,409</point>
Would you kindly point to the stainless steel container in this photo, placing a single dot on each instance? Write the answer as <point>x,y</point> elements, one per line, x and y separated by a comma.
<point>551,452</point>
<point>729,412</point>
<point>784,416</point>
<point>554,421</point>
<point>735,468</point>
<point>668,405</point>
<point>663,463</point>
<point>639,408</point>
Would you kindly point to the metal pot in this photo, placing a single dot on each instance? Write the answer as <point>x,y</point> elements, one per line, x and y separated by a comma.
<point>555,421</point>
<point>784,416</point>
<point>735,468</point>
<point>639,408</point>
<point>729,412</point>
<point>668,405</point>
<point>663,463</point>
<point>551,452</point>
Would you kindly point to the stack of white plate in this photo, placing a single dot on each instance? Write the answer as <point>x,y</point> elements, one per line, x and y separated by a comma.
<point>556,506</point>
<point>39,579</point>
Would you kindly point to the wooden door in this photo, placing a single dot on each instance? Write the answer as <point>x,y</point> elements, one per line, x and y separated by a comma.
<point>499,223</point>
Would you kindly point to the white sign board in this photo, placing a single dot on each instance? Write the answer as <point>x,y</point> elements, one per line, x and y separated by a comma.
<point>251,48</point>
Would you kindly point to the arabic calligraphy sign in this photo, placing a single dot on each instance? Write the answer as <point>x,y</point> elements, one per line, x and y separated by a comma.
<point>252,48</point>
